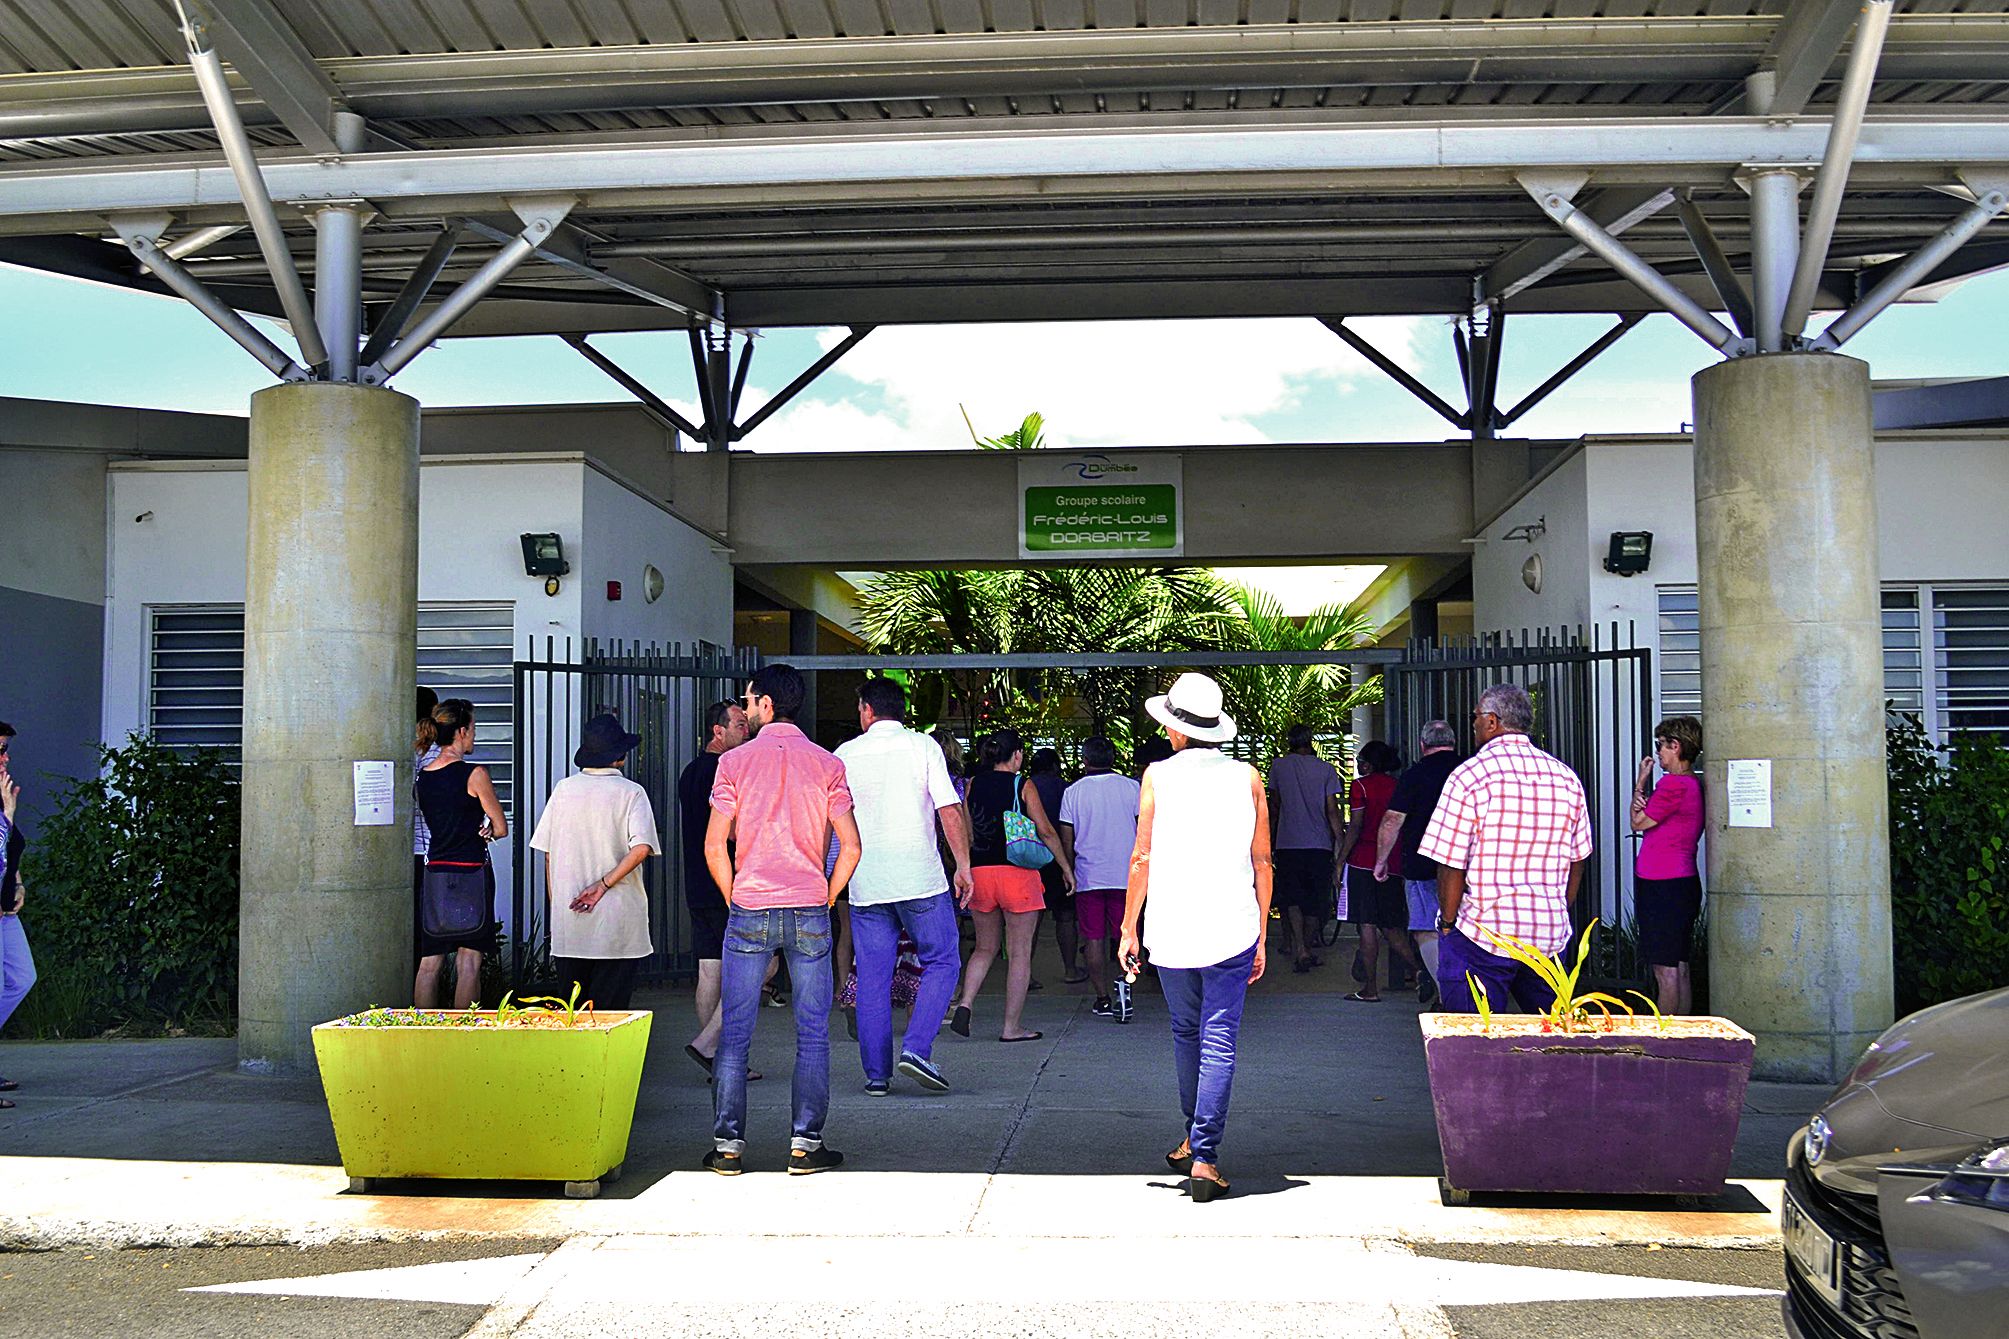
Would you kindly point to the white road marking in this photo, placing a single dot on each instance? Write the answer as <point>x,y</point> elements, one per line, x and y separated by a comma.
<point>840,1272</point>
<point>466,1282</point>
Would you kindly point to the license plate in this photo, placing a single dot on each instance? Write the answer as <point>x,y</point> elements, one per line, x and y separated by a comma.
<point>1816,1252</point>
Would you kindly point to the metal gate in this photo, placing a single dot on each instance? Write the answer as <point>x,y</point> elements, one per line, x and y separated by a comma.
<point>657,692</point>
<point>1593,709</point>
<point>1593,700</point>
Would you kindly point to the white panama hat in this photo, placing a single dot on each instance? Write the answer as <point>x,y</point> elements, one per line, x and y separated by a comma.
<point>1193,708</point>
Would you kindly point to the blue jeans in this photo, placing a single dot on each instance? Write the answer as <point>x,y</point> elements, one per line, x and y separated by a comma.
<point>875,938</point>
<point>802,935</point>
<point>17,966</point>
<point>1206,1006</point>
<point>1499,976</point>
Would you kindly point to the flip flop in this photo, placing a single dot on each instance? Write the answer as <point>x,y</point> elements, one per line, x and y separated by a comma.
<point>8,1085</point>
<point>1030,1036</point>
<point>1359,998</point>
<point>960,1023</point>
<point>6,1104</point>
<point>1074,980</point>
<point>704,1061</point>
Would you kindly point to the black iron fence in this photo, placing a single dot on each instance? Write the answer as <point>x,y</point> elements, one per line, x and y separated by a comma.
<point>1593,700</point>
<point>658,692</point>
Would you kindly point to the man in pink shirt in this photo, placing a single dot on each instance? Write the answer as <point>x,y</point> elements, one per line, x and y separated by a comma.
<point>777,798</point>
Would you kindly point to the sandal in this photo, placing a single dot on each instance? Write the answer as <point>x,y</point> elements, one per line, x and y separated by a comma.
<point>1030,1036</point>
<point>1204,1189</point>
<point>1074,980</point>
<point>6,1104</point>
<point>1181,1163</point>
<point>960,1022</point>
<point>1301,966</point>
<point>1359,998</point>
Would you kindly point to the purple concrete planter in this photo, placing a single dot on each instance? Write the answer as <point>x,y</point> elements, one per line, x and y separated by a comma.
<point>1634,1112</point>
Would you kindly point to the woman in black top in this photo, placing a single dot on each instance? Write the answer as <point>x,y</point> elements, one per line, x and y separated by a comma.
<point>1007,899</point>
<point>1046,779</point>
<point>458,801</point>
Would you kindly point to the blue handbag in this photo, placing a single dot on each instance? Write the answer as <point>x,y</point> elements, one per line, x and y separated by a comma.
<point>1022,844</point>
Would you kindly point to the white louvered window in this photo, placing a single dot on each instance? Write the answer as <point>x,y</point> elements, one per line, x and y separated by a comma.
<point>195,678</point>
<point>1970,659</point>
<point>195,683</point>
<point>1680,652</point>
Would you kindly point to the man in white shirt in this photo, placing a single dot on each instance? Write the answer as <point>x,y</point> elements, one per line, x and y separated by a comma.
<point>1098,828</point>
<point>899,787</point>
<point>596,831</point>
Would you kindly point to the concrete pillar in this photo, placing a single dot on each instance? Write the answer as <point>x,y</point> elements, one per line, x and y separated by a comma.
<point>1792,671</point>
<point>330,631</point>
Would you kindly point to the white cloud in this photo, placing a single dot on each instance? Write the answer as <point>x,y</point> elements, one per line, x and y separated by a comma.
<point>1133,383</point>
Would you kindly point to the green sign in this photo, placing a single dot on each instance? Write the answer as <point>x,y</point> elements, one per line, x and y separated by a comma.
<point>1101,518</point>
<point>1099,505</point>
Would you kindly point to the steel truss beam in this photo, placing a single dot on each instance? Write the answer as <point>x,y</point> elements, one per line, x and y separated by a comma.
<point>719,385</point>
<point>262,47</point>
<point>575,250</point>
<point>925,161</point>
<point>1400,375</point>
<point>955,66</point>
<point>1809,38</point>
<point>1626,321</point>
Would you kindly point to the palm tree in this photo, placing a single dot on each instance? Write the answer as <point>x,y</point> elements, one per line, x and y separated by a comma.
<point>1030,435</point>
<point>1266,700</point>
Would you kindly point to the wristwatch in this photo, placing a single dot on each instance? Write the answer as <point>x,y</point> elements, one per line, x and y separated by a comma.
<point>1443,925</point>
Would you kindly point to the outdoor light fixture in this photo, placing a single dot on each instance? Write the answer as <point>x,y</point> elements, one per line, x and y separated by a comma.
<point>1531,573</point>
<point>1631,551</point>
<point>544,556</point>
<point>652,583</point>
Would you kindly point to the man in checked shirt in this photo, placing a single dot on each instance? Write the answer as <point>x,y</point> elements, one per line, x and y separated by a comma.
<point>1510,835</point>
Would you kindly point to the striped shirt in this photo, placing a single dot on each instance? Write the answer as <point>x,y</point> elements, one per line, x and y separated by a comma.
<point>421,834</point>
<point>1514,819</point>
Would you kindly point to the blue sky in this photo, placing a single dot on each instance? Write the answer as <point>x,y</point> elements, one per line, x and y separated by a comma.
<point>1148,383</point>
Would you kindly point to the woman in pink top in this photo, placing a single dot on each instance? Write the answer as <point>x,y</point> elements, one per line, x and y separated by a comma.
<point>1667,885</point>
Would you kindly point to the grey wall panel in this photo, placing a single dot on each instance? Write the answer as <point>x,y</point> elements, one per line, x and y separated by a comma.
<point>50,688</point>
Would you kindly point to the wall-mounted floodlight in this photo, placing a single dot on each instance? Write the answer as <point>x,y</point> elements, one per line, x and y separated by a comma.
<point>1631,551</point>
<point>544,556</point>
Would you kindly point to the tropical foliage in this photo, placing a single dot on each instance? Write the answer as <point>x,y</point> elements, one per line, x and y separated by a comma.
<point>1100,611</point>
<point>1949,875</point>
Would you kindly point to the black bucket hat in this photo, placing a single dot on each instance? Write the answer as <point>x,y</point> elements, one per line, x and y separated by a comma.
<point>604,743</point>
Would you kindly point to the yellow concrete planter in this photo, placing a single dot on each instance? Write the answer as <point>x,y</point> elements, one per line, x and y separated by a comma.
<point>511,1103</point>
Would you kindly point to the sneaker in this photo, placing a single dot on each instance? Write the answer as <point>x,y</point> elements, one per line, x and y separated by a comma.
<point>1102,1008</point>
<point>1426,989</point>
<point>816,1160</point>
<point>923,1072</point>
<point>877,1088</point>
<point>725,1164</point>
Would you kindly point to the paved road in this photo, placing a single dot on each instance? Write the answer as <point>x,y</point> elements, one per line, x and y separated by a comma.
<point>1109,1287</point>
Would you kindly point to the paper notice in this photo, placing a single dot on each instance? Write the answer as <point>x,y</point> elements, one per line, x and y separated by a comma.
<point>1748,784</point>
<point>374,806</point>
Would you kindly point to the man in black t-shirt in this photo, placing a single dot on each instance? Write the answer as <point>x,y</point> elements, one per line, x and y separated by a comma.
<point>725,730</point>
<point>1402,828</point>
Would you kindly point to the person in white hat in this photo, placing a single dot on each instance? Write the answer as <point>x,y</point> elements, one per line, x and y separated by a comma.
<point>1202,860</point>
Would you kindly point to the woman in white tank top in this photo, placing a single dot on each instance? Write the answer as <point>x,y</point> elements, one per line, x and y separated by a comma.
<point>1203,863</point>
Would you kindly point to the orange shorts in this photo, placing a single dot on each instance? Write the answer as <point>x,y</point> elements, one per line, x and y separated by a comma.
<point>1007,888</point>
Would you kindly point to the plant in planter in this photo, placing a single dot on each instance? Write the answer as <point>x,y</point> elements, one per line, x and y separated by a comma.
<point>1586,1097</point>
<point>535,1090</point>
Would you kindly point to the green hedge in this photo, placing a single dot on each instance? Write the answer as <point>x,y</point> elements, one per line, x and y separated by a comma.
<point>1949,880</point>
<point>132,888</point>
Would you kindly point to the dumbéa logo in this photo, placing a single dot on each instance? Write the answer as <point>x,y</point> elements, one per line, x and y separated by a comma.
<point>1092,468</point>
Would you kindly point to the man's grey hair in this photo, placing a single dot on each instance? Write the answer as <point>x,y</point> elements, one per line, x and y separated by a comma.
<point>1511,705</point>
<point>1439,735</point>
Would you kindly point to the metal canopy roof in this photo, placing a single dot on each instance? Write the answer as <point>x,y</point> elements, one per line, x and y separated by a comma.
<point>824,162</point>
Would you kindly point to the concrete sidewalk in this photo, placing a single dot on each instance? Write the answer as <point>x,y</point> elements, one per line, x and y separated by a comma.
<point>163,1142</point>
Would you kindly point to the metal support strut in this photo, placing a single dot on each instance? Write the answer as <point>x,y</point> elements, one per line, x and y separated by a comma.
<point>140,236</point>
<point>539,217</point>
<point>1642,275</point>
<point>1834,174</point>
<point>251,186</point>
<point>1395,371</point>
<point>1911,271</point>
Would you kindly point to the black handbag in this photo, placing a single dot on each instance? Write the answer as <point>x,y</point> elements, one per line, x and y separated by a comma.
<point>455,900</point>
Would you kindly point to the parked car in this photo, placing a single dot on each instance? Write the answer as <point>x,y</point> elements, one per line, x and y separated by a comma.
<point>1896,1217</point>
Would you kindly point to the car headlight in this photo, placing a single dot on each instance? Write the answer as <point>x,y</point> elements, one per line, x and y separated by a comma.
<point>1980,1179</point>
<point>1814,1145</point>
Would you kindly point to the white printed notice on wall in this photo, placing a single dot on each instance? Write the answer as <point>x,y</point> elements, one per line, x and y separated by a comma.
<point>374,807</point>
<point>1748,784</point>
